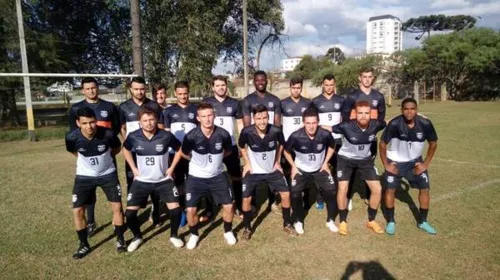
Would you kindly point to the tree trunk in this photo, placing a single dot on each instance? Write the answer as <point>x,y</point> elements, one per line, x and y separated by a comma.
<point>135,17</point>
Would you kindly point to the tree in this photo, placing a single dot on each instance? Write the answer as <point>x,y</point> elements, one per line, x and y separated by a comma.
<point>426,24</point>
<point>336,55</point>
<point>268,38</point>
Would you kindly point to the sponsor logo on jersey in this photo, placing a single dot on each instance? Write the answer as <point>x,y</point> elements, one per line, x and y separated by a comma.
<point>101,148</point>
<point>229,110</point>
<point>191,115</point>
<point>390,179</point>
<point>303,148</point>
<point>420,135</point>
<point>218,146</point>
<point>188,196</point>
<point>131,114</point>
<point>336,106</point>
<point>255,146</point>
<point>175,116</point>
<point>271,144</point>
<point>104,114</point>
<point>289,110</point>
<point>371,137</point>
<point>201,148</point>
<point>353,138</point>
<point>375,103</point>
<point>159,147</point>
<point>270,104</point>
<point>81,150</point>
<point>322,106</point>
<point>303,109</point>
<point>74,198</point>
<point>139,148</point>
<point>319,147</point>
<point>339,174</point>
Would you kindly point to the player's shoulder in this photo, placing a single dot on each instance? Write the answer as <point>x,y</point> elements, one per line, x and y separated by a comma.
<point>195,132</point>
<point>274,129</point>
<point>396,121</point>
<point>192,107</point>
<point>105,132</point>
<point>73,135</point>
<point>272,97</point>
<point>78,105</point>
<point>246,129</point>
<point>208,99</point>
<point>286,101</point>
<point>297,133</point>
<point>338,98</point>
<point>318,98</point>
<point>423,120</point>
<point>221,131</point>
<point>323,132</point>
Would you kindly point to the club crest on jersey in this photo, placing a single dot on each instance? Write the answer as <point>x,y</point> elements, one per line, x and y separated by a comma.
<point>303,109</point>
<point>319,147</point>
<point>339,174</point>
<point>229,110</point>
<point>420,135</point>
<point>336,106</point>
<point>371,138</point>
<point>104,114</point>
<point>188,196</point>
<point>390,179</point>
<point>218,146</point>
<point>74,198</point>
<point>270,104</point>
<point>101,148</point>
<point>271,144</point>
<point>191,115</point>
<point>375,103</point>
<point>159,147</point>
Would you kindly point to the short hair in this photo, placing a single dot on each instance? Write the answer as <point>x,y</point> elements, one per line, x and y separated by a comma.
<point>310,112</point>
<point>408,100</point>
<point>181,84</point>
<point>146,111</point>
<point>85,112</point>
<point>362,103</point>
<point>328,77</point>
<point>138,79</point>
<point>88,80</point>
<point>366,70</point>
<point>296,80</point>
<point>259,72</point>
<point>158,86</point>
<point>204,106</point>
<point>259,109</point>
<point>219,78</point>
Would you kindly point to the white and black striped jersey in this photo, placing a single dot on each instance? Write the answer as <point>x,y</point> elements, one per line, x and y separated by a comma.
<point>330,112</point>
<point>226,113</point>
<point>292,114</point>
<point>129,111</point>
<point>206,153</point>
<point>405,143</point>
<point>261,151</point>
<point>94,157</point>
<point>355,141</point>
<point>151,154</point>
<point>271,101</point>
<point>180,120</point>
<point>309,153</point>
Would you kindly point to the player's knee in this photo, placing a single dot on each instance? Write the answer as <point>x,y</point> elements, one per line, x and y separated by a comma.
<point>116,207</point>
<point>79,212</point>
<point>191,211</point>
<point>285,195</point>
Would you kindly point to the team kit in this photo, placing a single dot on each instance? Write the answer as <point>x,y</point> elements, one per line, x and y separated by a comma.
<point>220,150</point>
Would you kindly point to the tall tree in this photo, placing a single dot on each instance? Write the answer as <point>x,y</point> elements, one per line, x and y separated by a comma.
<point>426,24</point>
<point>336,55</point>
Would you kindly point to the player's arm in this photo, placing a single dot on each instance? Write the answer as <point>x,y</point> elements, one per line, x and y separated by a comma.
<point>242,144</point>
<point>326,127</point>
<point>382,147</point>
<point>239,125</point>
<point>166,120</point>
<point>381,109</point>
<point>347,108</point>
<point>279,152</point>
<point>70,144</point>
<point>246,110</point>
<point>277,114</point>
<point>186,148</point>
<point>329,154</point>
<point>72,120</point>
<point>127,154</point>
<point>432,138</point>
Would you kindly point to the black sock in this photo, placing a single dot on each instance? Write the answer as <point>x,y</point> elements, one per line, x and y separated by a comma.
<point>194,230</point>
<point>228,226</point>
<point>286,216</point>
<point>298,207</point>
<point>91,213</point>
<point>372,213</point>
<point>343,215</point>
<point>175,220</point>
<point>133,223</point>
<point>120,230</point>
<point>237,190</point>
<point>247,219</point>
<point>390,214</point>
<point>82,236</point>
<point>423,215</point>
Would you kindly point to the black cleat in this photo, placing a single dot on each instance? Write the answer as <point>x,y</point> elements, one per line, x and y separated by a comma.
<point>247,234</point>
<point>121,246</point>
<point>82,251</point>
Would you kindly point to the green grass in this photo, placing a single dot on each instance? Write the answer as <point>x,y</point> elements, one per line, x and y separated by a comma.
<point>42,133</point>
<point>37,237</point>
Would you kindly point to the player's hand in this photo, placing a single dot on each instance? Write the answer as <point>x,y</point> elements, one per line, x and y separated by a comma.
<point>419,168</point>
<point>277,166</point>
<point>136,173</point>
<point>325,168</point>
<point>391,168</point>
<point>294,172</point>
<point>246,169</point>
<point>170,172</point>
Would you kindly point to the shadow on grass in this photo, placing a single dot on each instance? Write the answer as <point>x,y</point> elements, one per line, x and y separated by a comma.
<point>403,195</point>
<point>99,229</point>
<point>372,270</point>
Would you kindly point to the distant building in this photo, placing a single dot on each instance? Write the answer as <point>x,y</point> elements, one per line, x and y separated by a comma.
<point>60,87</point>
<point>384,35</point>
<point>289,64</point>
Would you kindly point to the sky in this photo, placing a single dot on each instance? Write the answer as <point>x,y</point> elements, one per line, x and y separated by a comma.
<point>313,26</point>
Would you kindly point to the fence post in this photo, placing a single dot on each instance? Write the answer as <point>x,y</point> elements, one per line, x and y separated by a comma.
<point>416,94</point>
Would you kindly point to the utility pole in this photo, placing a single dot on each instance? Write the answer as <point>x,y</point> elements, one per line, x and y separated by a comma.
<point>135,16</point>
<point>245,45</point>
<point>26,80</point>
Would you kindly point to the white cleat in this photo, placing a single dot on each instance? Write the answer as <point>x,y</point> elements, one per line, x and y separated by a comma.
<point>349,205</point>
<point>136,242</point>
<point>192,242</point>
<point>177,242</point>
<point>331,226</point>
<point>299,227</point>
<point>230,239</point>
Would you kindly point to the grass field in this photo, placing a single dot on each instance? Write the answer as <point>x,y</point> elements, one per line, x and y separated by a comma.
<point>37,237</point>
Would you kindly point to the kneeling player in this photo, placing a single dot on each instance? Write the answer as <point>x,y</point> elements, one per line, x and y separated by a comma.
<point>152,175</point>
<point>355,155</point>
<point>261,146</point>
<point>94,148</point>
<point>406,135</point>
<point>313,147</point>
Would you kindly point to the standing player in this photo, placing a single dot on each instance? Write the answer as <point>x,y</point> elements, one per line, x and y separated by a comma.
<point>128,112</point>
<point>160,94</point>
<point>293,107</point>
<point>205,147</point>
<point>355,156</point>
<point>152,174</point>
<point>106,116</point>
<point>406,135</point>
<point>94,148</point>
<point>329,105</point>
<point>313,147</point>
<point>227,114</point>
<point>261,146</point>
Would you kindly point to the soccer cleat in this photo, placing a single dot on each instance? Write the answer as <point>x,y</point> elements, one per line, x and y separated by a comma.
<point>176,241</point>
<point>82,251</point>
<point>136,242</point>
<point>121,246</point>
<point>427,228</point>
<point>320,205</point>
<point>343,228</point>
<point>230,239</point>
<point>349,205</point>
<point>299,227</point>
<point>183,219</point>
<point>288,229</point>
<point>375,227</point>
<point>331,226</point>
<point>192,242</point>
<point>390,228</point>
<point>247,234</point>
<point>91,229</point>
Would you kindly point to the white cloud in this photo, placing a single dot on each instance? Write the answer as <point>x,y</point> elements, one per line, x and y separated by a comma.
<point>387,1</point>
<point>300,48</point>
<point>450,4</point>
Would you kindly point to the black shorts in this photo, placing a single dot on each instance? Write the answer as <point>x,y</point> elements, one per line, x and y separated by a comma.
<point>333,159</point>
<point>232,162</point>
<point>365,169</point>
<point>139,192</point>
<point>180,171</point>
<point>85,187</point>
<point>322,180</point>
<point>218,187</point>
<point>392,181</point>
<point>276,182</point>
